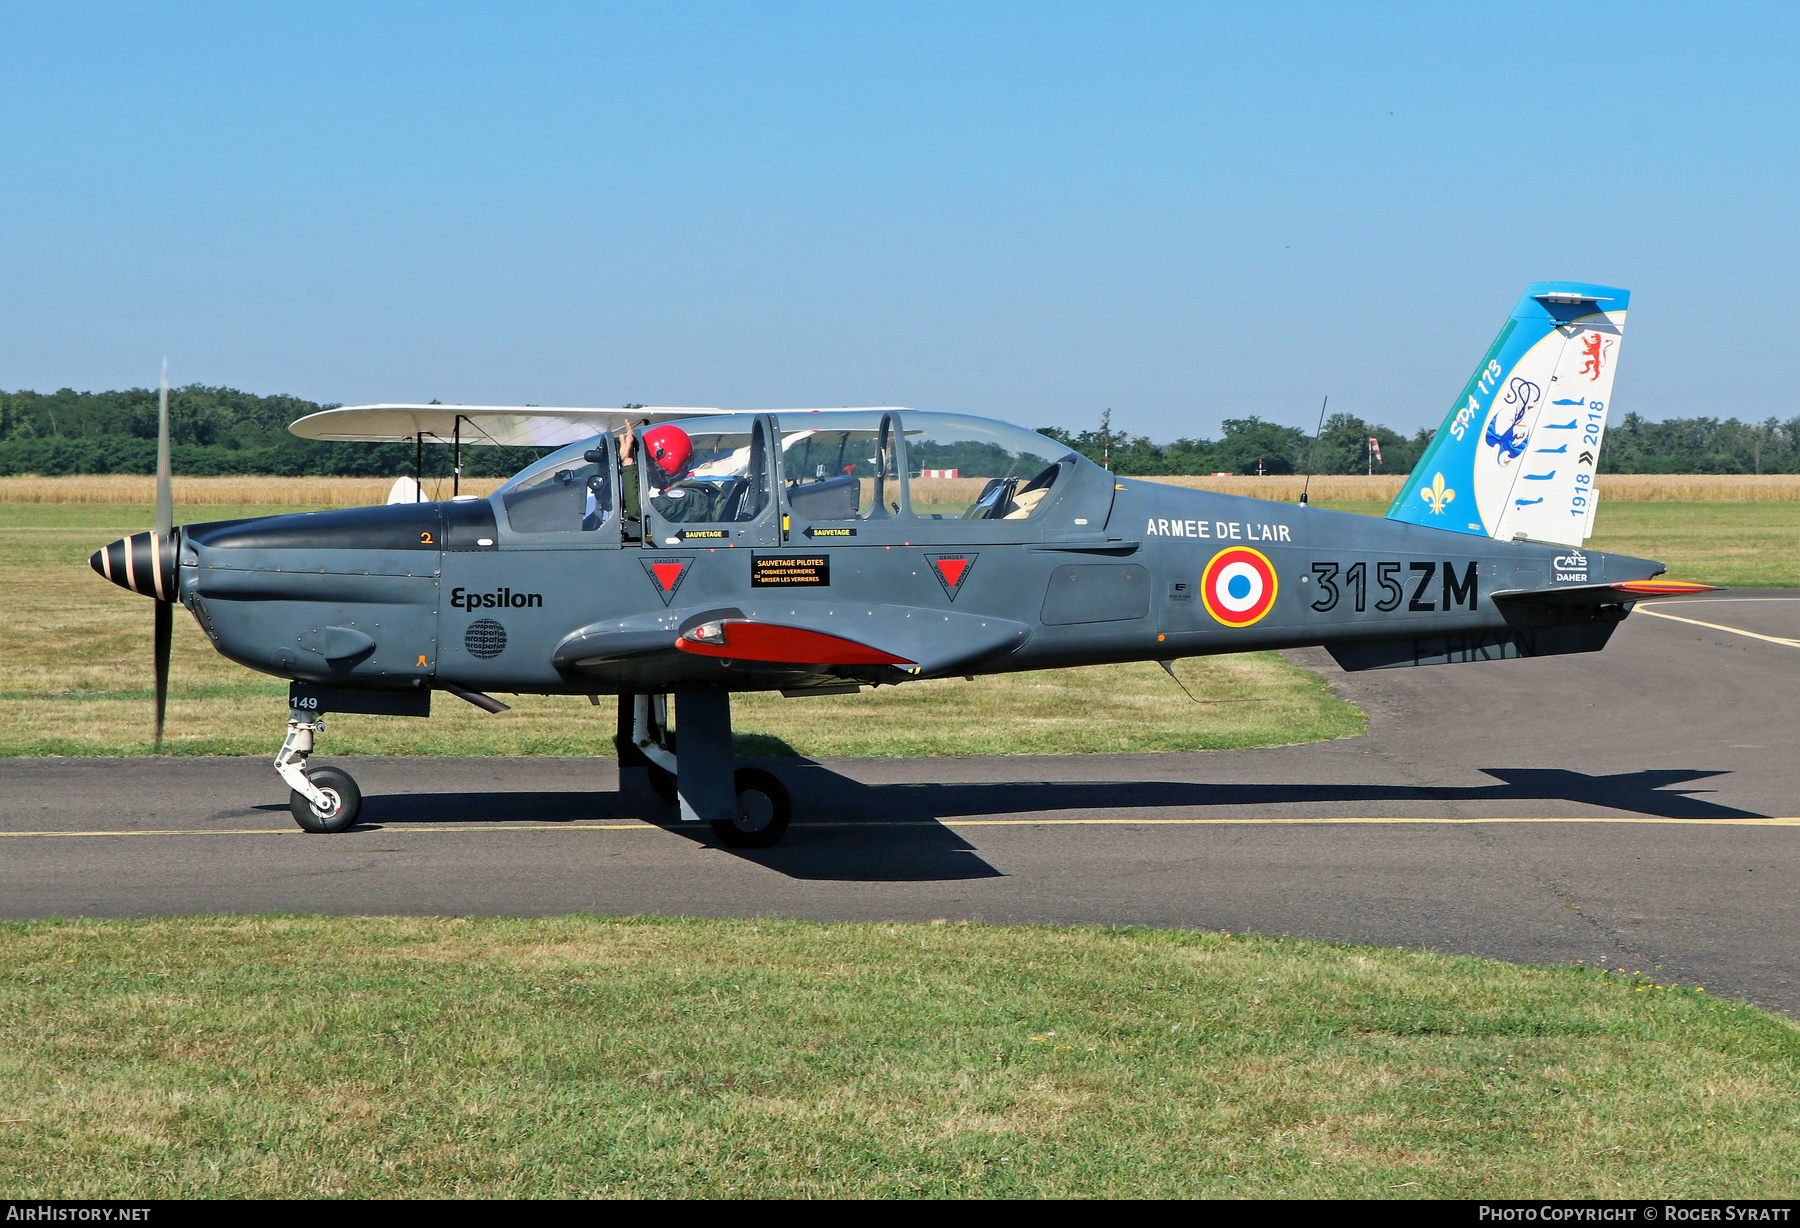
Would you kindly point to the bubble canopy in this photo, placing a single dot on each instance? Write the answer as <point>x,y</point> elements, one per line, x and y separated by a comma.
<point>842,441</point>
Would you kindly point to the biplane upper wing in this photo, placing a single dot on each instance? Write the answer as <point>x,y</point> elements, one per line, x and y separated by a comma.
<point>517,426</point>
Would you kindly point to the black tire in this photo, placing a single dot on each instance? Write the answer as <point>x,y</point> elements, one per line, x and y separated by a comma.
<point>763,811</point>
<point>336,784</point>
<point>662,783</point>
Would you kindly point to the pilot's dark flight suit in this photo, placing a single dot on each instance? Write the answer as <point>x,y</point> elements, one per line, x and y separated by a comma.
<point>688,502</point>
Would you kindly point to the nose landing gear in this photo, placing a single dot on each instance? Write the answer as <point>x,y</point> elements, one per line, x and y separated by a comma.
<point>325,800</point>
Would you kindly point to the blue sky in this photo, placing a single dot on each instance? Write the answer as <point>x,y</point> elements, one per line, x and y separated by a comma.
<point>1034,211</point>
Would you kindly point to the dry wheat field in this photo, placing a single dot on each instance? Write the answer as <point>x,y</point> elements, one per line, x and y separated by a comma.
<point>1614,487</point>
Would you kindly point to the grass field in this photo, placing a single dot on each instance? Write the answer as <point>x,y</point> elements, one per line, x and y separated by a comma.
<point>295,1057</point>
<point>76,681</point>
<point>581,1056</point>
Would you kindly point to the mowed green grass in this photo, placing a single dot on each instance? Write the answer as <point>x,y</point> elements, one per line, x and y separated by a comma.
<point>589,1057</point>
<point>77,675</point>
<point>1748,545</point>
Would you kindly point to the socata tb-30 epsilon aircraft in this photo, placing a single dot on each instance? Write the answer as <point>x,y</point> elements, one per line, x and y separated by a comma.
<point>693,553</point>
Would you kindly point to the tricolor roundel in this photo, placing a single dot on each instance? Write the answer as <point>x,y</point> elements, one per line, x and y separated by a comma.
<point>1238,586</point>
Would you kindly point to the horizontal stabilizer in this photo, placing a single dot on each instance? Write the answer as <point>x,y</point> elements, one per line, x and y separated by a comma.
<point>1617,593</point>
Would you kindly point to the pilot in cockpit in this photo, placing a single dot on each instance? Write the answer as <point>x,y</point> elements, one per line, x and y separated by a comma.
<point>677,495</point>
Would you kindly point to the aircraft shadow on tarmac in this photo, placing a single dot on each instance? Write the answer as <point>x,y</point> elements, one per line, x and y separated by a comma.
<point>853,832</point>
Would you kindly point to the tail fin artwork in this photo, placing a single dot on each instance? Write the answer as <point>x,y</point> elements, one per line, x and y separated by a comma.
<point>1517,455</point>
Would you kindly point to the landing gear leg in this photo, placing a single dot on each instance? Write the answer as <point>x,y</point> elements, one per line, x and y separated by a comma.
<point>653,743</point>
<point>633,765</point>
<point>747,808</point>
<point>704,761</point>
<point>324,799</point>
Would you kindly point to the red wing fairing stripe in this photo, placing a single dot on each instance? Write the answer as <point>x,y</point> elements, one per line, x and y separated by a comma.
<point>749,641</point>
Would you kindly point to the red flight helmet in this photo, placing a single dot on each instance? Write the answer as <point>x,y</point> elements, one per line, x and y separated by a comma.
<point>670,448</point>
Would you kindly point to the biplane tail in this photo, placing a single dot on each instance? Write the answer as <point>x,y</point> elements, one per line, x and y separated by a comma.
<point>1518,453</point>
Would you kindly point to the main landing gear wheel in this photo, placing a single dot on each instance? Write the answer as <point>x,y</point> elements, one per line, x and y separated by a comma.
<point>763,810</point>
<point>340,790</point>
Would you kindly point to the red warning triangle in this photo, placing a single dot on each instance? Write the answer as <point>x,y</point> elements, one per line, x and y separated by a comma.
<point>666,574</point>
<point>951,570</point>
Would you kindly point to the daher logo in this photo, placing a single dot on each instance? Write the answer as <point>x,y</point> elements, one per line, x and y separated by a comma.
<point>1571,566</point>
<point>500,598</point>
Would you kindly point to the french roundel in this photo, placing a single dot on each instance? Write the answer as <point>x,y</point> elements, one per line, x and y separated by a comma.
<point>1238,586</point>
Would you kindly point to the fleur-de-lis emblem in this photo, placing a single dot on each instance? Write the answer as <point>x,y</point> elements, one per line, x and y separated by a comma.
<point>1437,496</point>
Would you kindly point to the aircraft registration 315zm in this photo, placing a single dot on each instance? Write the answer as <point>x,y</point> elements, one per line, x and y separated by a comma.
<point>663,553</point>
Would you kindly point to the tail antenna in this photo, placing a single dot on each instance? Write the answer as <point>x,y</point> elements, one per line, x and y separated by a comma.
<point>1313,452</point>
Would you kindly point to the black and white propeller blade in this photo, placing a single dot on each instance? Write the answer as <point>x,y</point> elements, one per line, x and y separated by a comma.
<point>165,530</point>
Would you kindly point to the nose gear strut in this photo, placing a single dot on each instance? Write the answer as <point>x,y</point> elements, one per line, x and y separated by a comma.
<point>325,799</point>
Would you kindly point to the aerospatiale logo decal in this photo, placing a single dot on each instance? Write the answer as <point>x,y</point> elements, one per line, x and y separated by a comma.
<point>666,575</point>
<point>1238,586</point>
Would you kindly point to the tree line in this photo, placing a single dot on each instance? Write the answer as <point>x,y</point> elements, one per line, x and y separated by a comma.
<point>227,431</point>
<point>212,432</point>
<point>1250,445</point>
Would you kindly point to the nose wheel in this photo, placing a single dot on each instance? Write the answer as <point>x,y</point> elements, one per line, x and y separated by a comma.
<point>343,802</point>
<point>324,800</point>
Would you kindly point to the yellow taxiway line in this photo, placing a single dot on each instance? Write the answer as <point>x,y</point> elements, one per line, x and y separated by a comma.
<point>295,831</point>
<point>1676,618</point>
<point>1635,818</point>
<point>450,828</point>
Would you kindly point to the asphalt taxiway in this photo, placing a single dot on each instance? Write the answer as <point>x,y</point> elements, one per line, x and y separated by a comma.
<point>1633,809</point>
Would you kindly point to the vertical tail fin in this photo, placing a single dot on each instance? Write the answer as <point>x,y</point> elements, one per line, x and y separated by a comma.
<point>1517,455</point>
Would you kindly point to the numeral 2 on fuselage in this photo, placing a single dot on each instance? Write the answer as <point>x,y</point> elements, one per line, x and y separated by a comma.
<point>1354,582</point>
